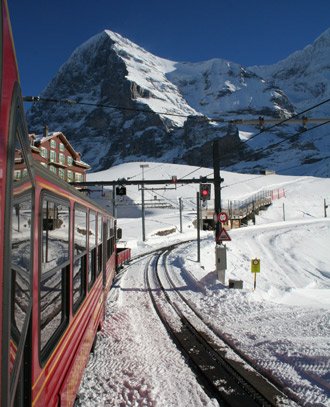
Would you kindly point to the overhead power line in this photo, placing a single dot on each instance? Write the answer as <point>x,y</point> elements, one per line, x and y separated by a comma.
<point>286,139</point>
<point>72,102</point>
<point>277,122</point>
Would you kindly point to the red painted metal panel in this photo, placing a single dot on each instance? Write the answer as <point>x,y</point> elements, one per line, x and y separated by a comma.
<point>9,76</point>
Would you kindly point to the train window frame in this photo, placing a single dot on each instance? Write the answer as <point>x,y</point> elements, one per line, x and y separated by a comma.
<point>46,351</point>
<point>22,198</point>
<point>110,237</point>
<point>17,133</point>
<point>79,260</point>
<point>92,250</point>
<point>100,241</point>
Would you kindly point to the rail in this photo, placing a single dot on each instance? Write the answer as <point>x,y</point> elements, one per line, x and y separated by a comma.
<point>195,338</point>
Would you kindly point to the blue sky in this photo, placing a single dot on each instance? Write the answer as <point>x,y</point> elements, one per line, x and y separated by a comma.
<point>249,32</point>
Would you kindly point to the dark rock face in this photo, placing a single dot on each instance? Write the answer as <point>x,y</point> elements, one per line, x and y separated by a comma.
<point>123,90</point>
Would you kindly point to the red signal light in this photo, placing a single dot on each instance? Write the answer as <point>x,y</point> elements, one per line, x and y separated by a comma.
<point>205,191</point>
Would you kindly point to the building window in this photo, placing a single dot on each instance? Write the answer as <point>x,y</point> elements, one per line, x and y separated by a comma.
<point>52,169</point>
<point>61,147</point>
<point>61,173</point>
<point>78,177</point>
<point>70,176</point>
<point>17,175</point>
<point>61,158</point>
<point>70,161</point>
<point>52,144</point>
<point>52,156</point>
<point>43,152</point>
<point>43,164</point>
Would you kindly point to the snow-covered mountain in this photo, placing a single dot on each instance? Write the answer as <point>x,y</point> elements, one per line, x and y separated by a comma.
<point>305,75</point>
<point>109,70</point>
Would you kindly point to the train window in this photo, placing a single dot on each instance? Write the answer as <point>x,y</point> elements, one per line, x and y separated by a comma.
<point>92,248</point>
<point>20,166</point>
<point>55,234</point>
<point>99,242</point>
<point>110,238</point>
<point>21,221</point>
<point>17,252</point>
<point>80,256</point>
<point>21,256</point>
<point>55,269</point>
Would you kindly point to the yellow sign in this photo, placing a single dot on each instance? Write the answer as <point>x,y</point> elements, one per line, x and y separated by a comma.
<point>255,266</point>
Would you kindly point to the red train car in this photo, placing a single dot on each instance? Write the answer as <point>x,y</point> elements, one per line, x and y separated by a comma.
<point>57,263</point>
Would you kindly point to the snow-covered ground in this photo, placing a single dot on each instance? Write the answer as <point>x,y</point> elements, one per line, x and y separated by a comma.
<point>283,325</point>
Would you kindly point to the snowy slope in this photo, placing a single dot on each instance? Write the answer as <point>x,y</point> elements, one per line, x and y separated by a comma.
<point>223,89</point>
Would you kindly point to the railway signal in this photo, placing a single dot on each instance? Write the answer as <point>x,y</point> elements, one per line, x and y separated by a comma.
<point>121,191</point>
<point>205,192</point>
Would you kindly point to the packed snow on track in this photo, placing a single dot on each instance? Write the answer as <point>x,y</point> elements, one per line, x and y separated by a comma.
<point>283,325</point>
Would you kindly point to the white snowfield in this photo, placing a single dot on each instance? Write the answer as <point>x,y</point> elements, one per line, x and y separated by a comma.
<point>283,325</point>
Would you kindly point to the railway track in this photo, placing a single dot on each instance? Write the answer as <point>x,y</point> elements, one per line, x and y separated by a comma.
<point>221,372</point>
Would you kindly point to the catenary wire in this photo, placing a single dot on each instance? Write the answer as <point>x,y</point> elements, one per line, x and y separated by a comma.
<point>198,117</point>
<point>74,102</point>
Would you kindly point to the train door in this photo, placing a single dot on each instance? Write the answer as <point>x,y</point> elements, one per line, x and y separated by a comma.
<point>16,208</point>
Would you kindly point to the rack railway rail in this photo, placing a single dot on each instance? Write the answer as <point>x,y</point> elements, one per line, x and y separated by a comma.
<point>228,379</point>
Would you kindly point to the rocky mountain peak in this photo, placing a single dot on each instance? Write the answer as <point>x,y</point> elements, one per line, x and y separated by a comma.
<point>137,106</point>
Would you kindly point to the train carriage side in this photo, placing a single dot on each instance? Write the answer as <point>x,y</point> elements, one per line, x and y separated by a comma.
<point>15,276</point>
<point>57,251</point>
<point>76,261</point>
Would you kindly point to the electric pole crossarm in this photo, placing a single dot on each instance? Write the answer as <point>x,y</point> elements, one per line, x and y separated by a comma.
<point>145,182</point>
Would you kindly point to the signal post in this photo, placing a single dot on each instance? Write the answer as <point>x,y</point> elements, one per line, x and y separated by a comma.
<point>219,218</point>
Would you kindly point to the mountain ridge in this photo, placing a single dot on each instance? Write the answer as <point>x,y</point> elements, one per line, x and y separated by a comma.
<point>109,69</point>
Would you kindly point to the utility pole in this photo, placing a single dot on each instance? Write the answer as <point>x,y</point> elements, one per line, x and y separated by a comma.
<point>220,249</point>
<point>325,208</point>
<point>180,209</point>
<point>143,166</point>
<point>217,179</point>
<point>114,207</point>
<point>217,187</point>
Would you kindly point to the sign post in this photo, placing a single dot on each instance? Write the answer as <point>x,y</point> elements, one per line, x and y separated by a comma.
<point>198,228</point>
<point>255,268</point>
<point>222,217</point>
